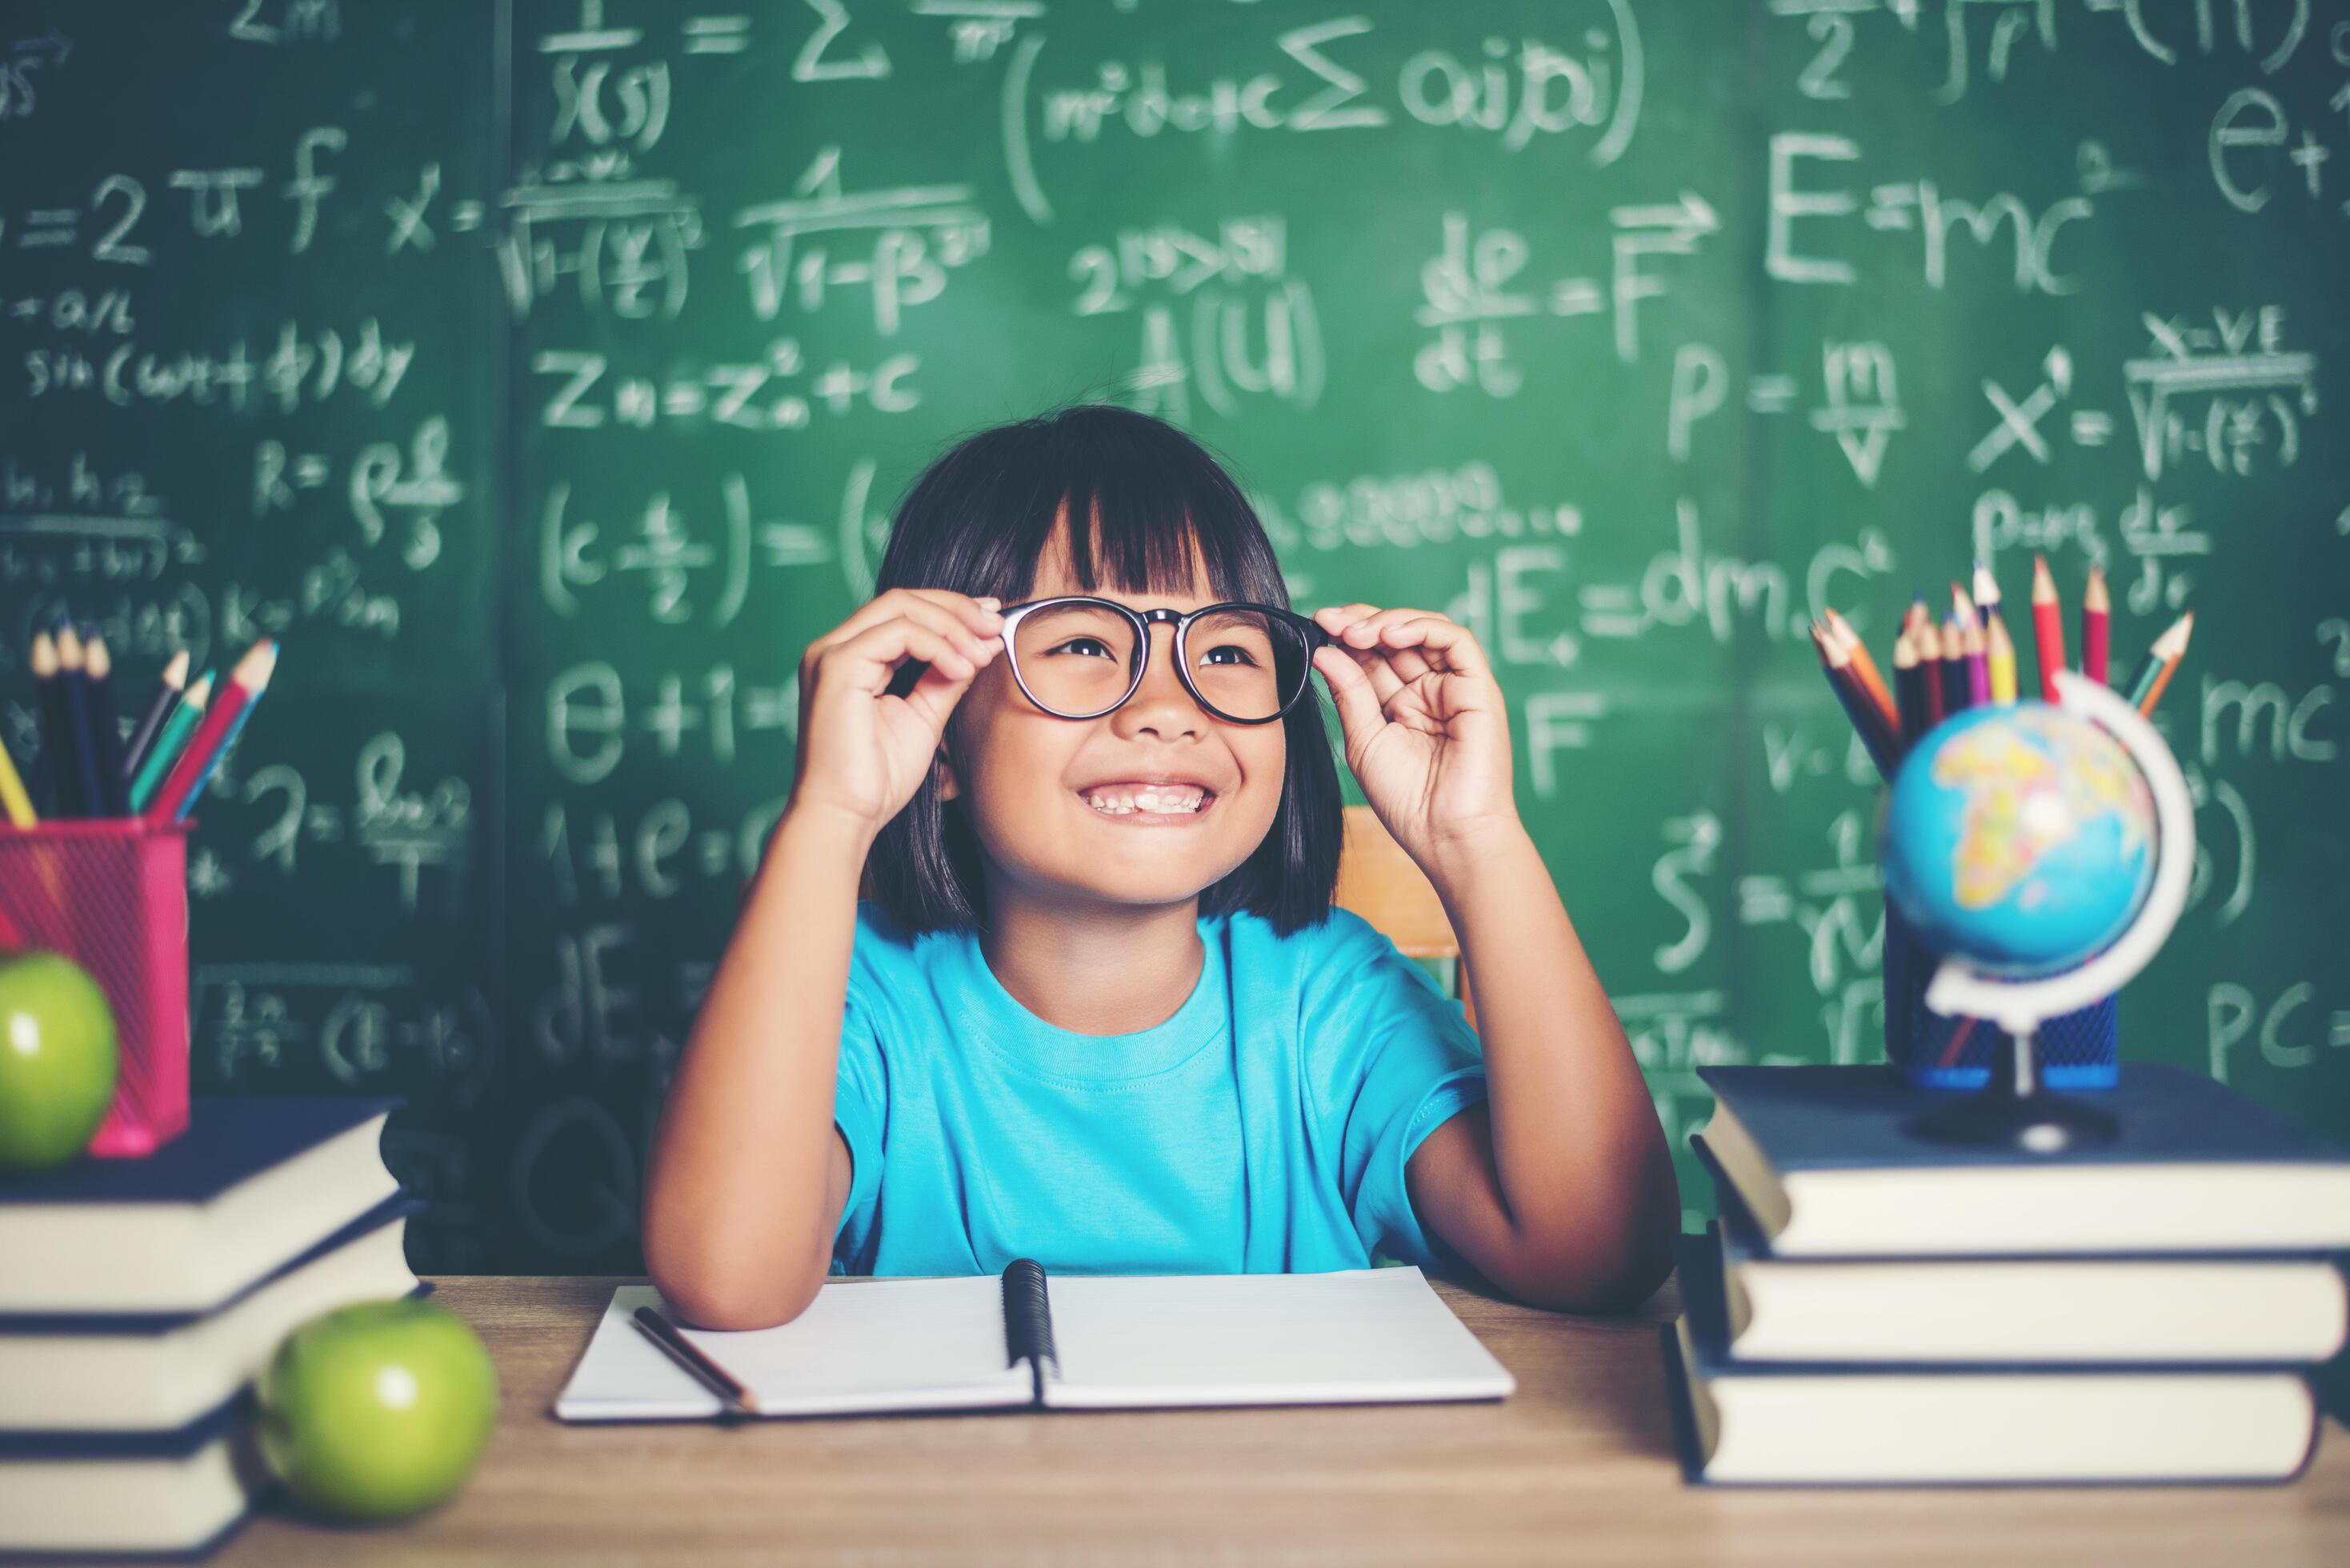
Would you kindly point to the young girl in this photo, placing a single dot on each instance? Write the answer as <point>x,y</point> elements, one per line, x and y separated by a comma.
<point>1100,1011</point>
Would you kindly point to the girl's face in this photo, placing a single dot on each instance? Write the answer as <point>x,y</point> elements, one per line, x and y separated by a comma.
<point>1032,780</point>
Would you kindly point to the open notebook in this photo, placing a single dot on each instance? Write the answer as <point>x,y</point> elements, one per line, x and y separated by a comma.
<point>1076,1341</point>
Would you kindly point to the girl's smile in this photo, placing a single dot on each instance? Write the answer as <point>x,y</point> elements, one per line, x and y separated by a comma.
<point>1149,802</point>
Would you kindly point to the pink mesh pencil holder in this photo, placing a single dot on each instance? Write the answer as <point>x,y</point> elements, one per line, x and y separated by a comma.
<point>111,894</point>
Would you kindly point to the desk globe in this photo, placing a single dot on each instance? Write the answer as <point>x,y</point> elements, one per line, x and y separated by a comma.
<point>2044,851</point>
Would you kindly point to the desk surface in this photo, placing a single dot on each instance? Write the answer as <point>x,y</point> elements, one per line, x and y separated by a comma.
<point>1577,1463</point>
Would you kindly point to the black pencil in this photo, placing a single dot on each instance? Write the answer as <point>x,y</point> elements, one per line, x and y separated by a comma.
<point>81,718</point>
<point>696,1360</point>
<point>105,726</point>
<point>56,730</point>
<point>1910,690</point>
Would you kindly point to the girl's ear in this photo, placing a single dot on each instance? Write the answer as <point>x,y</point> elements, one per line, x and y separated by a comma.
<point>942,769</point>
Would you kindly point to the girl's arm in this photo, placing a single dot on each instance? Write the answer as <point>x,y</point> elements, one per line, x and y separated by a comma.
<point>744,1188</point>
<point>747,1178</point>
<point>1560,1187</point>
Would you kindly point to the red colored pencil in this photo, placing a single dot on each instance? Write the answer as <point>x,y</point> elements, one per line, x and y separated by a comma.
<point>2096,627</point>
<point>2047,627</point>
<point>245,685</point>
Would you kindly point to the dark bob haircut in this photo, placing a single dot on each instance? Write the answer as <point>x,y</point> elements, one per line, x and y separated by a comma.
<point>977,521</point>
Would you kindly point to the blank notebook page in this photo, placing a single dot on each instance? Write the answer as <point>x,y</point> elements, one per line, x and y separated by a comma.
<point>1355,1334</point>
<point>879,1344</point>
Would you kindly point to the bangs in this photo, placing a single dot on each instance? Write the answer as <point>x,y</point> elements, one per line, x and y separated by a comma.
<point>980,519</point>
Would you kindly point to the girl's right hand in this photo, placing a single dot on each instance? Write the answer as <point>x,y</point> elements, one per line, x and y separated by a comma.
<point>863,752</point>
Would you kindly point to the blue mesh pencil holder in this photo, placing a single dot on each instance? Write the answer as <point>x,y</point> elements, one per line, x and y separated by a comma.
<point>2077,1050</point>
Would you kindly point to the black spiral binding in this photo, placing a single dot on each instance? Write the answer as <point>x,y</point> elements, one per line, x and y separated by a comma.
<point>1028,1320</point>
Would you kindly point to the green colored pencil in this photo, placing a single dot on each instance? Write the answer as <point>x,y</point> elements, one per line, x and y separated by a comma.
<point>2165,653</point>
<point>176,731</point>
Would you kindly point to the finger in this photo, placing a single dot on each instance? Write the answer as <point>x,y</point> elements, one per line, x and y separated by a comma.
<point>869,661</point>
<point>1365,634</point>
<point>1408,662</point>
<point>1335,619</point>
<point>1445,643</point>
<point>934,695</point>
<point>1376,668</point>
<point>936,607</point>
<point>939,619</point>
<point>1350,691</point>
<point>1364,629</point>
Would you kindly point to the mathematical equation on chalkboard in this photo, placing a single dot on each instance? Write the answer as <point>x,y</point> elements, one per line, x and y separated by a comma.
<point>545,377</point>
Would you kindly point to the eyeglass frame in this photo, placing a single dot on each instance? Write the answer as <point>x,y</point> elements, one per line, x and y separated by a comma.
<point>1311,629</point>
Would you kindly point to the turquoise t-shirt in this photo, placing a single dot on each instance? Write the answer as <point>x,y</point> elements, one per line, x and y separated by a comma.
<point>1262,1128</point>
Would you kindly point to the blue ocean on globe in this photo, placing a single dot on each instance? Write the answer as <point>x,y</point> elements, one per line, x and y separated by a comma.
<point>2018,836</point>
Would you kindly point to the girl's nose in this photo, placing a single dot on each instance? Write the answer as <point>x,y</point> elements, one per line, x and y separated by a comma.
<point>1161,705</point>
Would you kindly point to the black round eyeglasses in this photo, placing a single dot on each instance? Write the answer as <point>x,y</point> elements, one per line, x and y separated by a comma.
<point>1078,657</point>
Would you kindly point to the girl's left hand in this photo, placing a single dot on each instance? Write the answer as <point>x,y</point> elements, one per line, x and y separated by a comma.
<point>1425,729</point>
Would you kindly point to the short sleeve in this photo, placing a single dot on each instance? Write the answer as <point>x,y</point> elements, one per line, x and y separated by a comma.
<point>1401,1060</point>
<point>858,1104</point>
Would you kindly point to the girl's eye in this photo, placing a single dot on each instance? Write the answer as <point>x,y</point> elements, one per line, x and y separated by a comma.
<point>1241,655</point>
<point>1093,642</point>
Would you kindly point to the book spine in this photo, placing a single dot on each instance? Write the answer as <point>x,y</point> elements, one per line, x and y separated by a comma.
<point>1027,1320</point>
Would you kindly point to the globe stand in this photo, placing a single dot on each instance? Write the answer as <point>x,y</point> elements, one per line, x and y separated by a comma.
<point>2015,1112</point>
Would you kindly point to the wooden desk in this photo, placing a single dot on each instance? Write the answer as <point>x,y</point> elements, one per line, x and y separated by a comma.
<point>1576,1464</point>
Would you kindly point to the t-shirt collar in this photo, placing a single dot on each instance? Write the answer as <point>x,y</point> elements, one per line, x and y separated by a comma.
<point>1009,1028</point>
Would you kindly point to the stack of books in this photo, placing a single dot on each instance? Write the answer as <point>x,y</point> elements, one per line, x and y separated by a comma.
<point>139,1299</point>
<point>1875,1308</point>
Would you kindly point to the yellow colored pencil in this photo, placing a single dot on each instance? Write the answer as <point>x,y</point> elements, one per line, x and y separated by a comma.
<point>1998,650</point>
<point>13,796</point>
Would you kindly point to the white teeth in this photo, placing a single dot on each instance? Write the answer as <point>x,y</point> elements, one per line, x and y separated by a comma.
<point>1173,798</point>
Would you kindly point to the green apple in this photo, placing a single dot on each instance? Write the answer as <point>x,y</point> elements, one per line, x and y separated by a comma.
<point>57,1059</point>
<point>378,1410</point>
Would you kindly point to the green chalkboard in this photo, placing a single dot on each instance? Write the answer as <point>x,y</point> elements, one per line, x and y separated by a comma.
<point>545,376</point>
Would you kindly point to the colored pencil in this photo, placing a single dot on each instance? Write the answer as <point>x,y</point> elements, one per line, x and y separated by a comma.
<point>1909,689</point>
<point>170,743</point>
<point>213,738</point>
<point>1978,663</point>
<point>57,729</point>
<point>1929,670</point>
<point>106,726</point>
<point>2162,661</point>
<point>167,697</point>
<point>81,719</point>
<point>1837,665</point>
<point>1865,668</point>
<point>2047,627</point>
<point>1986,592</point>
<point>1958,691</point>
<point>1999,654</point>
<point>2096,627</point>
<point>1963,606</point>
<point>18,804</point>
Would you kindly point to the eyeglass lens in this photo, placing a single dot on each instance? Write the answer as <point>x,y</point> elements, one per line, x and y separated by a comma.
<point>1078,659</point>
